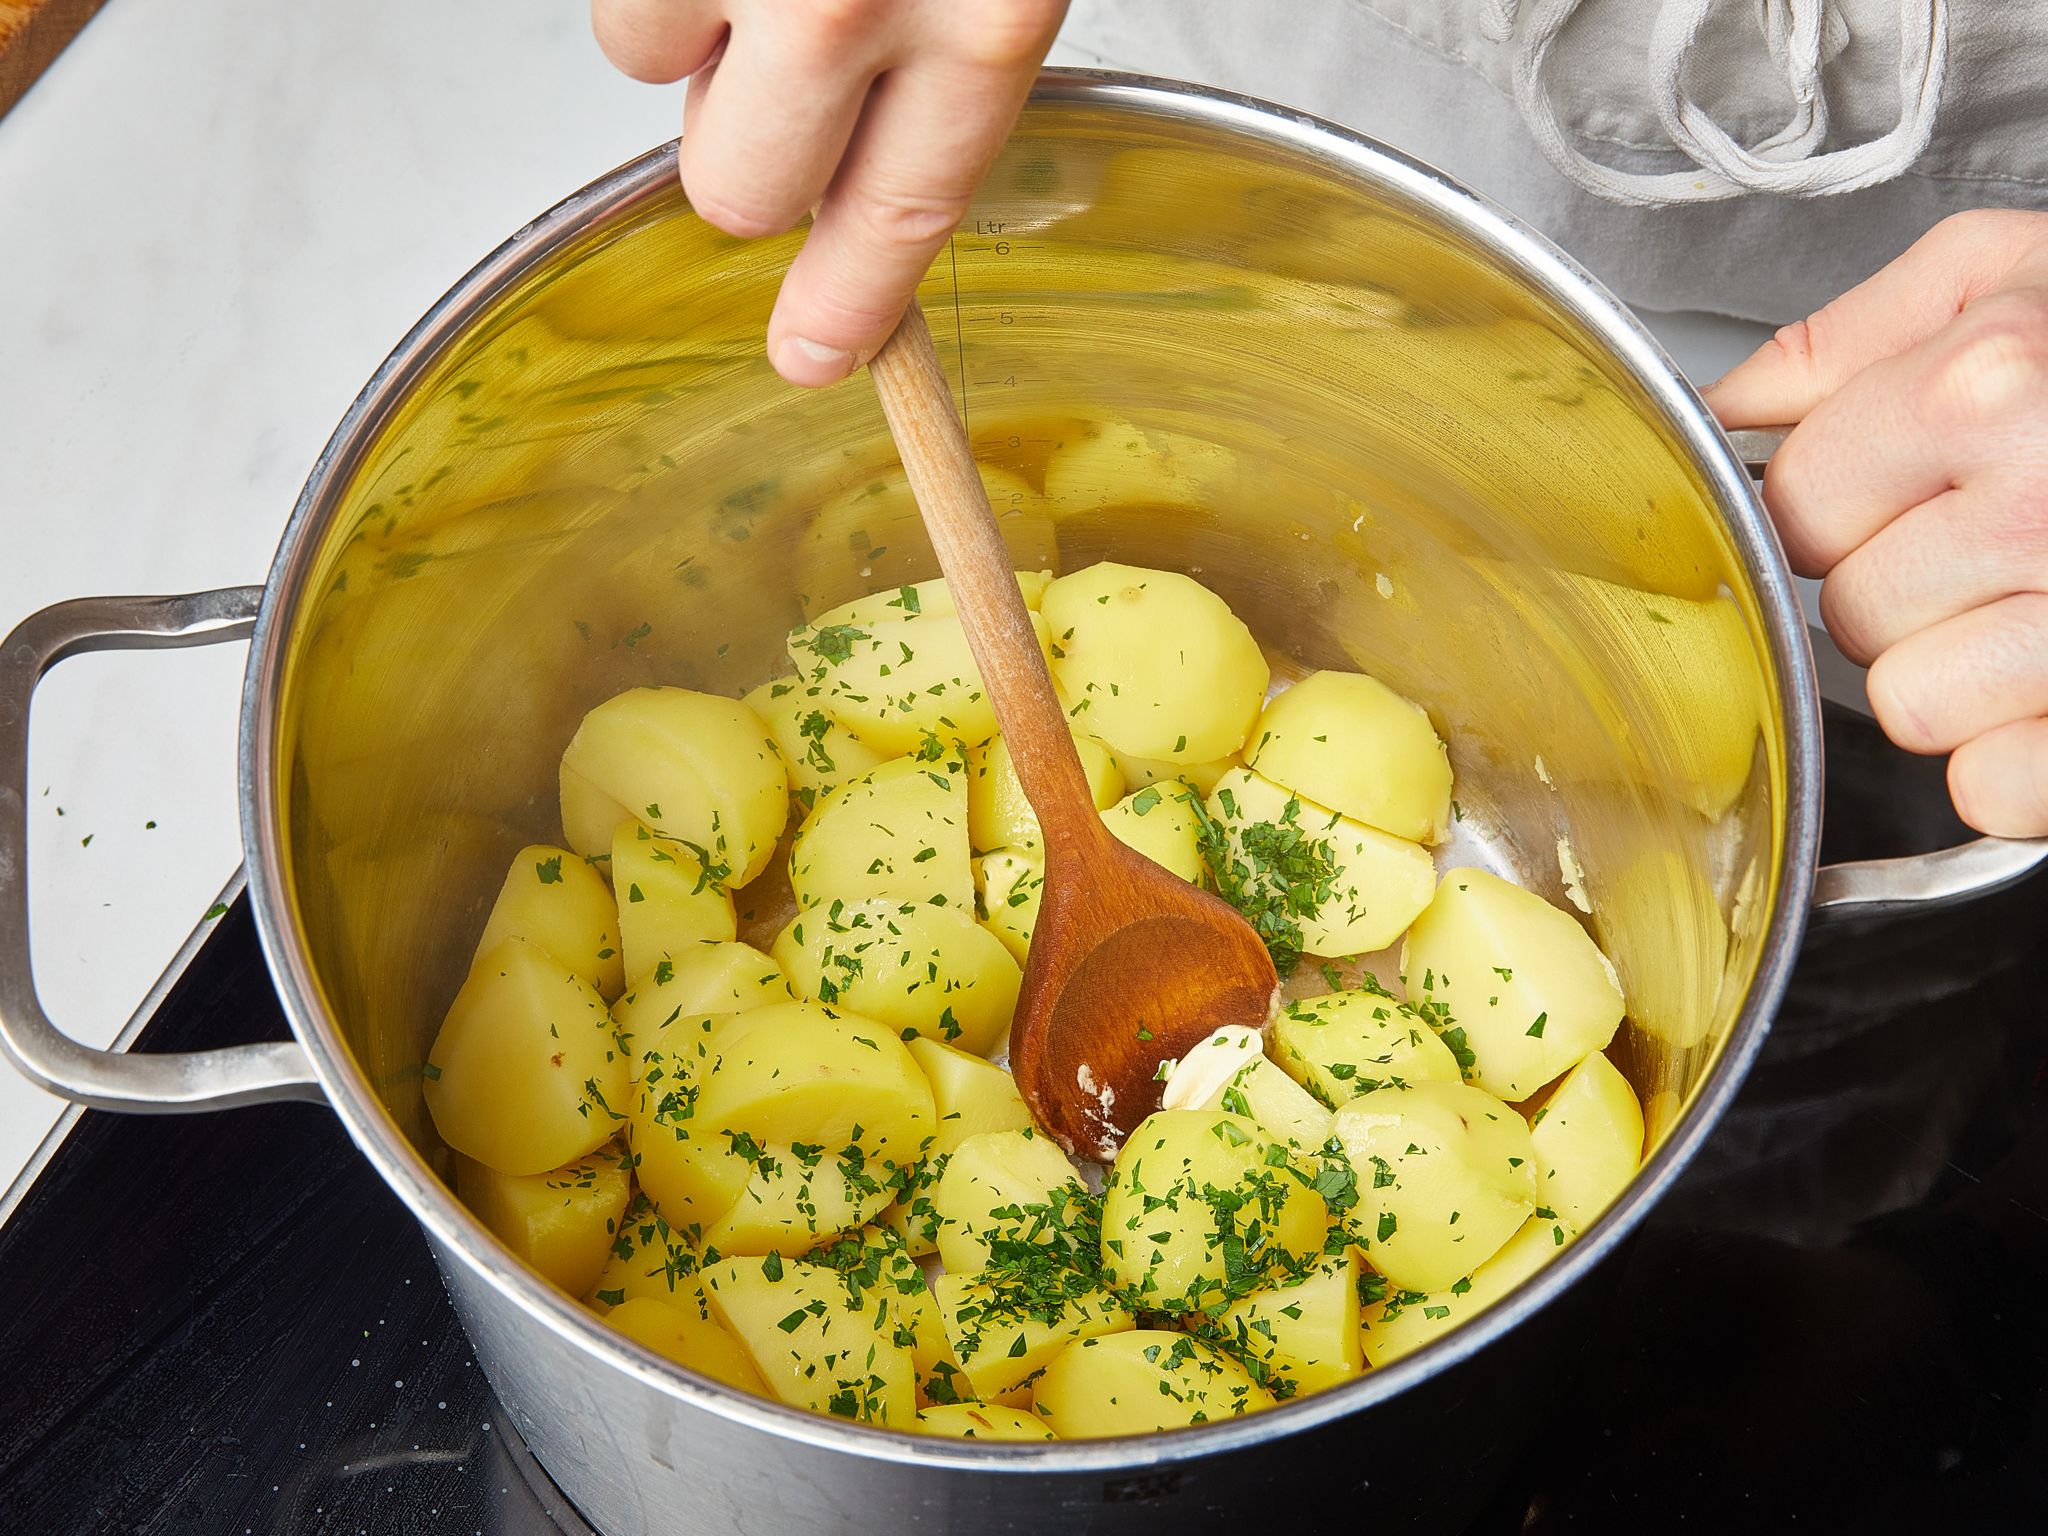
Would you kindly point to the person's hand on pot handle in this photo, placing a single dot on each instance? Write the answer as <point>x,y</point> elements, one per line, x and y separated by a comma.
<point>1916,483</point>
<point>882,115</point>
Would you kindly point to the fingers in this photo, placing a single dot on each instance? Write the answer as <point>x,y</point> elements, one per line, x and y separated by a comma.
<point>923,145</point>
<point>1903,304</point>
<point>765,128</point>
<point>1964,405</point>
<point>1999,782</point>
<point>1965,676</point>
<point>658,41</point>
<point>1963,549</point>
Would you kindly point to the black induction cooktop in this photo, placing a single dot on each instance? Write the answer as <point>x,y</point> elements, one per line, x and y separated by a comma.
<point>1838,1321</point>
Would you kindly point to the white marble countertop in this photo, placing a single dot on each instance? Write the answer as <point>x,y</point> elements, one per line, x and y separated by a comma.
<point>219,215</point>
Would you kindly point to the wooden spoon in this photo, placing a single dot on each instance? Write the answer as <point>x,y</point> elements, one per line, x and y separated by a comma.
<point>1129,965</point>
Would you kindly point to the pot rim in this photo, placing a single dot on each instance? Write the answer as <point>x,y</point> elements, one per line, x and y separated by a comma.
<point>1557,277</point>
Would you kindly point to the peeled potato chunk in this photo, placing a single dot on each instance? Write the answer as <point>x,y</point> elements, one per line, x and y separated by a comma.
<point>647,1257</point>
<point>998,1185</point>
<point>813,1346</point>
<point>982,1421</point>
<point>1350,742</point>
<point>562,1222</point>
<point>560,906</point>
<point>1446,1174</point>
<point>524,1075</point>
<point>667,901</point>
<point>1153,663</point>
<point>695,767</point>
<point>1140,771</point>
<point>795,1200</point>
<point>797,1074</point>
<point>1227,1071</point>
<point>899,683</point>
<point>898,832</point>
<point>1396,1322</point>
<point>689,1337</point>
<point>998,815</point>
<point>1343,1044</point>
<point>818,749</point>
<point>1143,1380</point>
<point>929,599</point>
<point>970,1095</point>
<point>1303,1333</point>
<point>704,978</point>
<point>1162,823</point>
<point>1348,889</point>
<point>1200,1252</point>
<point>1011,885</point>
<point>1532,993</point>
<point>1004,1332</point>
<point>1589,1141</point>
<point>920,969</point>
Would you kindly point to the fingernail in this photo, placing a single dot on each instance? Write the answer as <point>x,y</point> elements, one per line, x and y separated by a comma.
<point>803,361</point>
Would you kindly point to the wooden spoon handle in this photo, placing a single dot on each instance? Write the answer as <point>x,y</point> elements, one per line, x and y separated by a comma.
<point>933,444</point>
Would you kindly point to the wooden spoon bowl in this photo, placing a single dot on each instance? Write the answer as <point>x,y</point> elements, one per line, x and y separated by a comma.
<point>1129,965</point>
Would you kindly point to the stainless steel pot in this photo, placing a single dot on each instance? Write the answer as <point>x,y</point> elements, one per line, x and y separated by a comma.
<point>1390,425</point>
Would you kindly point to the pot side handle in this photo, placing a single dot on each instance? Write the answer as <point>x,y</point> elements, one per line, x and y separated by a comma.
<point>1925,880</point>
<point>164,1083</point>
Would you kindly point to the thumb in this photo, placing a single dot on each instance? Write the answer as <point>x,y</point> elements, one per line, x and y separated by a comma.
<point>1960,259</point>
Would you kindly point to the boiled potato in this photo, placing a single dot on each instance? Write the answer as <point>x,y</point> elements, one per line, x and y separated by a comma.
<point>998,815</point>
<point>1227,1071</point>
<point>687,1167</point>
<point>562,1222</point>
<point>667,902</point>
<point>1343,1044</point>
<point>1347,888</point>
<point>818,750</point>
<point>970,1096</point>
<point>1532,993</point>
<point>525,1074</point>
<point>1143,1380</point>
<point>1396,1322</point>
<point>1141,771</point>
<point>795,1074</point>
<point>794,1200</point>
<point>814,1346</point>
<point>559,905</point>
<point>922,970</point>
<point>903,684</point>
<point>998,1186</point>
<point>695,767</point>
<point>1202,1206</point>
<point>911,1216</point>
<point>704,980</point>
<point>1155,664</point>
<point>898,832</point>
<point>1162,823</point>
<point>1011,886</point>
<point>982,1421</point>
<point>1350,742</point>
<point>874,1264</point>
<point>1004,1332</point>
<point>1446,1174</point>
<point>648,1257</point>
<point>689,1337</point>
<point>1304,1332</point>
<point>1589,1141</point>
<point>930,599</point>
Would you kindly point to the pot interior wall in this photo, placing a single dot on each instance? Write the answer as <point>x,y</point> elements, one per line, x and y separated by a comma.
<point>1177,346</point>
